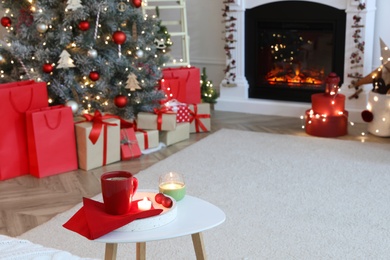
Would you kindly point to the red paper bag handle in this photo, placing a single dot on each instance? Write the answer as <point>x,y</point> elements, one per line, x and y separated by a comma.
<point>57,124</point>
<point>14,105</point>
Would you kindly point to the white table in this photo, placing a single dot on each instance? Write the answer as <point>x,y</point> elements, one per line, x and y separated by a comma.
<point>194,215</point>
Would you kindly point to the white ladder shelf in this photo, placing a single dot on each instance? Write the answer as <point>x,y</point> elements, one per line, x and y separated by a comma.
<point>176,28</point>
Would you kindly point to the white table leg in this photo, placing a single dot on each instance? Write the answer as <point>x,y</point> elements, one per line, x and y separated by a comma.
<point>110,253</point>
<point>141,251</point>
<point>197,240</point>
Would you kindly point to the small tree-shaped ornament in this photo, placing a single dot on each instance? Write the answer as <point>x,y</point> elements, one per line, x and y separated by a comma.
<point>65,61</point>
<point>73,5</point>
<point>132,83</point>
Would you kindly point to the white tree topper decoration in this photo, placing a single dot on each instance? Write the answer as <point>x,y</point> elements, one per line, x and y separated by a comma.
<point>73,4</point>
<point>65,61</point>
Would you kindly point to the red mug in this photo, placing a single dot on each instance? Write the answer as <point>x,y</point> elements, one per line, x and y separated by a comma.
<point>118,189</point>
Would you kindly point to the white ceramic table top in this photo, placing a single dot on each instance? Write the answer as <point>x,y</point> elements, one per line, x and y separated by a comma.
<point>194,215</point>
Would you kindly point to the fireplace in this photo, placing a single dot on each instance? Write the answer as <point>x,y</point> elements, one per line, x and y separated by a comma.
<point>245,93</point>
<point>290,48</point>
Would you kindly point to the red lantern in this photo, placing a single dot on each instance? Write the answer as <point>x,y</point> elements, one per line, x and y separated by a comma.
<point>84,25</point>
<point>94,75</point>
<point>6,21</point>
<point>119,37</point>
<point>137,3</point>
<point>120,101</point>
<point>47,68</point>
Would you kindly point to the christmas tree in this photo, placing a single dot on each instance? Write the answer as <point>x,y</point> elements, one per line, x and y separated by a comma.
<point>93,55</point>
<point>209,93</point>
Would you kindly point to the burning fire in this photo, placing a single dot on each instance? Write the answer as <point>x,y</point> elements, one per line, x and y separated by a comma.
<point>295,76</point>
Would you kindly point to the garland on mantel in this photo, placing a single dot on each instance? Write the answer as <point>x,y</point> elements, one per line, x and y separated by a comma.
<point>230,28</point>
<point>356,56</point>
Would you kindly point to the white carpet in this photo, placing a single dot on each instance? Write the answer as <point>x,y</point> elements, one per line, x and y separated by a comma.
<point>285,197</point>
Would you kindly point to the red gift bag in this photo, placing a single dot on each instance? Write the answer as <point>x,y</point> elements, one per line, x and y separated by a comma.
<point>15,99</point>
<point>174,88</point>
<point>191,75</point>
<point>51,141</point>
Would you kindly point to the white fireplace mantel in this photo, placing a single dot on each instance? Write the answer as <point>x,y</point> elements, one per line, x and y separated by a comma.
<point>235,98</point>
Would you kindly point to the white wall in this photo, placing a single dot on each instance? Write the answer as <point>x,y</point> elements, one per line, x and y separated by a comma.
<point>381,28</point>
<point>205,28</point>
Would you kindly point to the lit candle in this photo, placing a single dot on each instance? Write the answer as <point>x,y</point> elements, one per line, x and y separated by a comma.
<point>144,204</point>
<point>177,190</point>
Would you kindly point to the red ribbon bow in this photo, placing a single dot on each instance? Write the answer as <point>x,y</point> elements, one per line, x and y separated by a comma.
<point>97,124</point>
<point>195,116</point>
<point>159,113</point>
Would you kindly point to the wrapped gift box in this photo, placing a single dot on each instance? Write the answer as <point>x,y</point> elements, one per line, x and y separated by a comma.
<point>147,139</point>
<point>181,109</point>
<point>191,75</point>
<point>162,121</point>
<point>129,144</point>
<point>104,151</point>
<point>181,133</point>
<point>200,118</point>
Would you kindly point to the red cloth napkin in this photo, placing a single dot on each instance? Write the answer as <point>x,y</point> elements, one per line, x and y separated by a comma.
<point>91,221</point>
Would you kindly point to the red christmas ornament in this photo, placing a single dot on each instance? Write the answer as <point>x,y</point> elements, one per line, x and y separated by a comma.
<point>6,21</point>
<point>367,116</point>
<point>94,75</point>
<point>47,68</point>
<point>119,37</point>
<point>120,101</point>
<point>167,202</point>
<point>84,25</point>
<point>137,3</point>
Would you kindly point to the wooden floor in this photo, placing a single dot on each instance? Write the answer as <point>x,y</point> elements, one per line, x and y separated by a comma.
<point>26,202</point>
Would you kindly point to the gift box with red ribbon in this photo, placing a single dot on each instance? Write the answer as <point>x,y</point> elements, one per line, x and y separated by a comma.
<point>147,138</point>
<point>98,140</point>
<point>181,109</point>
<point>191,75</point>
<point>200,117</point>
<point>161,119</point>
<point>181,133</point>
<point>129,144</point>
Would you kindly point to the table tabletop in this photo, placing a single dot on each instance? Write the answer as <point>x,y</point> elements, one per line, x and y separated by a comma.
<point>194,215</point>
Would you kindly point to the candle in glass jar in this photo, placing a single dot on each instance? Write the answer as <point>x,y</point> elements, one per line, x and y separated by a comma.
<point>176,190</point>
<point>144,204</point>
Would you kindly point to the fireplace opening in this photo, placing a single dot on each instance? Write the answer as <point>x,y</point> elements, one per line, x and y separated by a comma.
<point>291,47</point>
